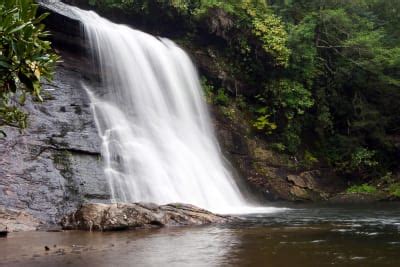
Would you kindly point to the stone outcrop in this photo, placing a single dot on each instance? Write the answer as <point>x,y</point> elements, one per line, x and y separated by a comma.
<point>122,216</point>
<point>12,220</point>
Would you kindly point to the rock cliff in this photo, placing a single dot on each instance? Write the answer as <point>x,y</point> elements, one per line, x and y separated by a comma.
<point>52,166</point>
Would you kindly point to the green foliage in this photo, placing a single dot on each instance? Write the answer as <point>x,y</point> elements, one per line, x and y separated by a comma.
<point>363,157</point>
<point>361,162</point>
<point>12,115</point>
<point>309,159</point>
<point>25,58</point>
<point>290,97</point>
<point>213,96</point>
<point>269,29</point>
<point>303,60</point>
<point>291,137</point>
<point>228,112</point>
<point>221,98</point>
<point>278,147</point>
<point>346,53</point>
<point>364,188</point>
<point>262,123</point>
<point>387,178</point>
<point>208,90</point>
<point>241,102</point>
<point>287,101</point>
<point>394,190</point>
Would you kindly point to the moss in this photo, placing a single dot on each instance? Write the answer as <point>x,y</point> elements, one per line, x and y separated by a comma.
<point>228,112</point>
<point>62,161</point>
<point>270,157</point>
<point>262,169</point>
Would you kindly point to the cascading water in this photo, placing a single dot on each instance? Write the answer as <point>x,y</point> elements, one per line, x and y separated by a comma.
<point>158,143</point>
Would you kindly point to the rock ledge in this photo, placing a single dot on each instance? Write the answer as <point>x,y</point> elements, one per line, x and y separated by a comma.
<point>12,220</point>
<point>123,216</point>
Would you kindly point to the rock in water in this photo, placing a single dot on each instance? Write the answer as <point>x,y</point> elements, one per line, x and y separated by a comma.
<point>121,216</point>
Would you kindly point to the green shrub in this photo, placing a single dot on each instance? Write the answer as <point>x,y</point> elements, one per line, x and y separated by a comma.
<point>221,98</point>
<point>208,89</point>
<point>394,189</point>
<point>278,147</point>
<point>364,188</point>
<point>262,122</point>
<point>309,159</point>
<point>25,58</point>
<point>213,96</point>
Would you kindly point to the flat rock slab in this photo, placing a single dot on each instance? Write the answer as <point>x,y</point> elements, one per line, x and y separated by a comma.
<point>122,216</point>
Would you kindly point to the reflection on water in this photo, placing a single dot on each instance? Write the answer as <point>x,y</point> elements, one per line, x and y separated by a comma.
<point>295,237</point>
<point>205,246</point>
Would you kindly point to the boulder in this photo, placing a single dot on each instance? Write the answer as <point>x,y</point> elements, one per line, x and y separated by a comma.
<point>299,181</point>
<point>299,192</point>
<point>12,220</point>
<point>123,216</point>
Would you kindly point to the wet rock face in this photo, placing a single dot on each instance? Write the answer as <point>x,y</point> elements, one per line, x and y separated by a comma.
<point>54,165</point>
<point>122,216</point>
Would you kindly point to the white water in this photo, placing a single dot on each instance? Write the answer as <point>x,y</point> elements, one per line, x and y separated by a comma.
<point>158,143</point>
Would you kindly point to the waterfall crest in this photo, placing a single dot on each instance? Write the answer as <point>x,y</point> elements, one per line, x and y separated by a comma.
<point>158,143</point>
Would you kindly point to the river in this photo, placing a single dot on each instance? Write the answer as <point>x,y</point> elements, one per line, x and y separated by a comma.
<point>302,235</point>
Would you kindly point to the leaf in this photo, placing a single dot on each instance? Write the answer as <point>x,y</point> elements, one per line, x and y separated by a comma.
<point>36,89</point>
<point>35,69</point>
<point>4,64</point>
<point>19,28</point>
<point>40,18</point>
<point>14,10</point>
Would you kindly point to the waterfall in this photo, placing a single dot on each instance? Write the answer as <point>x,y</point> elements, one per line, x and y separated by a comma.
<point>158,144</point>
